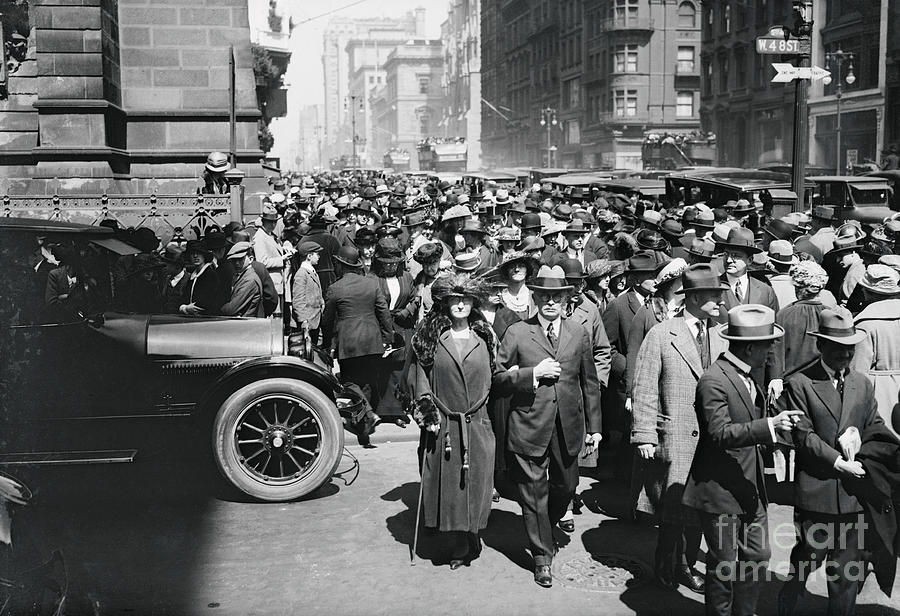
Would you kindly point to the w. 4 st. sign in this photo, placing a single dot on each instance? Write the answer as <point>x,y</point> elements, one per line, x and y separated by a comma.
<point>789,72</point>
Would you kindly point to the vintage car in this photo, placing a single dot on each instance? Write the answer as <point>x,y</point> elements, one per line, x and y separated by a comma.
<point>82,390</point>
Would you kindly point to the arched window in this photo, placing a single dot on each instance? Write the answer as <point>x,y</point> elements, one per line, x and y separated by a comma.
<point>687,15</point>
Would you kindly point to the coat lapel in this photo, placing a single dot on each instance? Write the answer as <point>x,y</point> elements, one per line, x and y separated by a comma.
<point>634,304</point>
<point>686,347</point>
<point>824,388</point>
<point>538,335</point>
<point>847,404</point>
<point>738,383</point>
<point>565,336</point>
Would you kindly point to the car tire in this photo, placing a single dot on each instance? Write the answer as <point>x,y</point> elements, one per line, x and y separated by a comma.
<point>277,439</point>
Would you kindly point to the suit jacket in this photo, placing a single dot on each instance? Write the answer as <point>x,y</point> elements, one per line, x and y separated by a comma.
<point>204,291</point>
<point>555,258</point>
<point>356,317</point>
<point>308,300</point>
<point>617,321</point>
<point>727,472</point>
<point>758,293</point>
<point>269,294</point>
<point>268,251</point>
<point>588,315</point>
<point>665,387</point>
<point>574,398</point>
<point>817,485</point>
<point>246,296</point>
<point>325,267</point>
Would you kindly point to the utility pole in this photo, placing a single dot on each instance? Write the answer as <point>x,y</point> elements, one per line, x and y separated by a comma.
<point>800,26</point>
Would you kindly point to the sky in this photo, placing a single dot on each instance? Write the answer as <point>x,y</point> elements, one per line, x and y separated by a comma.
<point>304,74</point>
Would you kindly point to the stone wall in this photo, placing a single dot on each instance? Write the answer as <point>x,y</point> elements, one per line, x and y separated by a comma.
<point>125,94</point>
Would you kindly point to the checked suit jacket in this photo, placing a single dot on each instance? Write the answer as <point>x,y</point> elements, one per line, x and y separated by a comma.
<point>574,398</point>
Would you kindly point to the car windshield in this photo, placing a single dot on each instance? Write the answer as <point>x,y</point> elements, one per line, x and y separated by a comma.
<point>869,196</point>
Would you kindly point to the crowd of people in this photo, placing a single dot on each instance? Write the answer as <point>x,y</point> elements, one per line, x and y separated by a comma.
<point>701,344</point>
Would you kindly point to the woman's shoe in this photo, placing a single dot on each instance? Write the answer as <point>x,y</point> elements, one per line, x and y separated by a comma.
<point>401,422</point>
<point>495,496</point>
<point>456,563</point>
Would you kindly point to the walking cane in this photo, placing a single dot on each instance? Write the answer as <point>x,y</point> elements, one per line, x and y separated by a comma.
<point>412,556</point>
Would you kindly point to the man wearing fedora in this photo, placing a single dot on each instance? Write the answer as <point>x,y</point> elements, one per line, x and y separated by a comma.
<point>572,245</point>
<point>547,366</point>
<point>845,268</point>
<point>878,353</point>
<point>726,484</point>
<point>737,251</point>
<point>245,299</point>
<point>269,252</point>
<point>674,355</point>
<point>357,322</point>
<point>837,405</point>
<point>474,234</point>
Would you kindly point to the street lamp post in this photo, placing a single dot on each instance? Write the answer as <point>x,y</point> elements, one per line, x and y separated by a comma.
<point>548,119</point>
<point>353,98</point>
<point>837,59</point>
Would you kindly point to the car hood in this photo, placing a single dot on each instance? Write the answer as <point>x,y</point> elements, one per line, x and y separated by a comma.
<point>180,337</point>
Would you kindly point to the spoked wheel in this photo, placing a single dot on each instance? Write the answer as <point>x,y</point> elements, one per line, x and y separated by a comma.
<point>278,439</point>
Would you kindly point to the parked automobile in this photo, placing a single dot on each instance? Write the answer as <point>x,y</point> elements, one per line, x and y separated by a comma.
<point>867,199</point>
<point>82,390</point>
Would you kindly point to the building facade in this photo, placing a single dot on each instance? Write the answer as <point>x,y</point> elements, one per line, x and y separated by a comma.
<point>583,83</point>
<point>407,109</point>
<point>336,67</point>
<point>461,115</point>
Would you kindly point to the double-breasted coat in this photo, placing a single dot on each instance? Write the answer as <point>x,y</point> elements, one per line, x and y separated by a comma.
<point>668,369</point>
<point>460,378</point>
<point>878,355</point>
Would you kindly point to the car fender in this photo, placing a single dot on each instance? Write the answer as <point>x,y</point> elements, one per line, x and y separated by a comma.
<point>258,368</point>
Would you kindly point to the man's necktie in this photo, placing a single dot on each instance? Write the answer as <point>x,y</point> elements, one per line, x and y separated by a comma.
<point>648,301</point>
<point>739,292</point>
<point>839,383</point>
<point>702,344</point>
<point>551,336</point>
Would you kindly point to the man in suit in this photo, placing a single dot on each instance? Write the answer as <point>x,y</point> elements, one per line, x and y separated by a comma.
<point>245,297</point>
<point>838,404</point>
<point>671,360</point>
<point>737,251</point>
<point>546,363</point>
<point>268,251</point>
<point>357,320</point>
<point>726,484</point>
<point>306,290</point>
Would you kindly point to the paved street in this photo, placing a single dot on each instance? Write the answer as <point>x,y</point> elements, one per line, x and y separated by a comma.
<point>154,538</point>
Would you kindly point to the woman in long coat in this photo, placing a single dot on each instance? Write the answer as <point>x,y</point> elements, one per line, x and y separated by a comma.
<point>450,379</point>
<point>799,348</point>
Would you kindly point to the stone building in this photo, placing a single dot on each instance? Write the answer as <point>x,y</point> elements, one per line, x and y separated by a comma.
<point>336,67</point>
<point>126,96</point>
<point>461,116</point>
<point>408,107</point>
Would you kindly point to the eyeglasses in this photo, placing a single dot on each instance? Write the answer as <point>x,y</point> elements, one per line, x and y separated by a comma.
<point>546,298</point>
<point>731,255</point>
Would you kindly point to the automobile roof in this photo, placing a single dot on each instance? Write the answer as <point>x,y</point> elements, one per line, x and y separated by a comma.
<point>849,179</point>
<point>579,179</point>
<point>41,226</point>
<point>489,175</point>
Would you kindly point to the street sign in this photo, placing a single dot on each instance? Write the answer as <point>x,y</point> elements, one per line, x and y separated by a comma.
<point>779,46</point>
<point>789,72</point>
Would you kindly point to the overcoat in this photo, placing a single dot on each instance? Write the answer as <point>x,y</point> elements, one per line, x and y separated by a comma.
<point>617,319</point>
<point>204,291</point>
<point>727,472</point>
<point>817,485</point>
<point>878,355</point>
<point>357,315</point>
<point>758,292</point>
<point>668,369</point>
<point>797,347</point>
<point>246,296</point>
<point>403,320</point>
<point>573,401</point>
<point>586,313</point>
<point>307,297</point>
<point>454,500</point>
<point>267,251</point>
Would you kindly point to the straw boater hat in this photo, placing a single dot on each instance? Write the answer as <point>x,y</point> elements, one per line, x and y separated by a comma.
<point>701,277</point>
<point>881,279</point>
<point>549,279</point>
<point>836,325</point>
<point>467,262</point>
<point>672,270</point>
<point>782,252</point>
<point>751,323</point>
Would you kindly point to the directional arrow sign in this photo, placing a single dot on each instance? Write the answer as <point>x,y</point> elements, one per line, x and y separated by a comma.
<point>789,72</point>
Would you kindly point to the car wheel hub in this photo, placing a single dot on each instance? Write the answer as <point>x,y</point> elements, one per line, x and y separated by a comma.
<point>277,439</point>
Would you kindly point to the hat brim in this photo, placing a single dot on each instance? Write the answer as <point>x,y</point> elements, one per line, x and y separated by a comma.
<point>838,251</point>
<point>748,249</point>
<point>780,261</point>
<point>778,333</point>
<point>852,340</point>
<point>879,291</point>
<point>723,287</point>
<point>348,263</point>
<point>542,284</point>
<point>217,168</point>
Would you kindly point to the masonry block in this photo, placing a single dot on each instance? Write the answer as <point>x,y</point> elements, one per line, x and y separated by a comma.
<point>76,129</point>
<point>223,37</point>
<point>179,37</point>
<point>182,78</point>
<point>59,40</point>
<point>137,77</point>
<point>41,17</point>
<point>62,87</point>
<point>204,17</point>
<point>133,57</point>
<point>146,135</point>
<point>196,135</point>
<point>18,120</point>
<point>208,99</point>
<point>240,18</point>
<point>19,102</point>
<point>134,16</point>
<point>135,36</point>
<point>75,18</point>
<point>93,40</point>
<point>18,141</point>
<point>64,64</point>
<point>204,57</point>
<point>147,99</point>
<point>65,2</point>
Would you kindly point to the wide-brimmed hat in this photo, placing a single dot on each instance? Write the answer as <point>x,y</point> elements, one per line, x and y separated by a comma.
<point>196,246</point>
<point>549,279</point>
<point>701,277</point>
<point>881,279</point>
<point>703,248</point>
<point>473,226</point>
<point>843,244</point>
<point>467,262</point>
<point>751,323</point>
<point>643,261</point>
<point>741,239</point>
<point>598,268</point>
<point>239,250</point>
<point>837,326</point>
<point>892,261</point>
<point>781,251</point>
<point>531,221</point>
<point>502,197</point>
<point>458,285</point>
<point>779,229</point>
<point>652,218</point>
<point>349,256</point>
<point>456,212</point>
<point>671,229</point>
<point>705,218</point>
<point>575,227</point>
<point>563,212</point>
<point>217,162</point>
<point>743,206</point>
<point>650,239</point>
<point>531,243</point>
<point>428,253</point>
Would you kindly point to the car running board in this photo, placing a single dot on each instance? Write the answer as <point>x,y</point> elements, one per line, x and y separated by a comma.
<point>60,458</point>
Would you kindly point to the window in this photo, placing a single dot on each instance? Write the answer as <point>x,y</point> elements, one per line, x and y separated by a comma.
<point>371,79</point>
<point>684,104</point>
<point>572,93</point>
<point>708,77</point>
<point>625,103</point>
<point>740,68</point>
<point>723,73</point>
<point>424,84</point>
<point>686,60</point>
<point>626,59</point>
<point>687,15</point>
<point>572,132</point>
<point>625,11</point>
<point>726,18</point>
